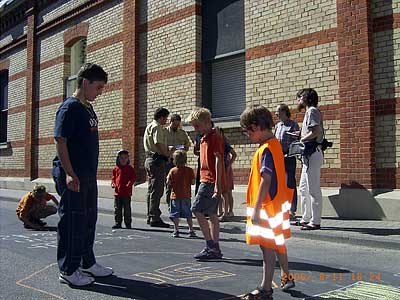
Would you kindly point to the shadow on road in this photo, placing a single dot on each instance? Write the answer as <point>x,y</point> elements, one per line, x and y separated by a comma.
<point>140,290</point>
<point>372,231</point>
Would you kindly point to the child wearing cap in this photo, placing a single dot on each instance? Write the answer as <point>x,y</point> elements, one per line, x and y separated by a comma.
<point>33,206</point>
<point>123,178</point>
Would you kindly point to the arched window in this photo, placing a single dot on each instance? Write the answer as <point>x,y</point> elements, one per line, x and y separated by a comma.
<point>78,58</point>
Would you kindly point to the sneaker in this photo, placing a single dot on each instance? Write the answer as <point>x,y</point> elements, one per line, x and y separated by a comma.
<point>116,226</point>
<point>76,279</point>
<point>208,253</point>
<point>175,234</point>
<point>98,270</point>
<point>159,223</point>
<point>287,284</point>
<point>192,234</point>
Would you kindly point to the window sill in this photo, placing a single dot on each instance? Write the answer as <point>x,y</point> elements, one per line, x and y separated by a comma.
<point>5,145</point>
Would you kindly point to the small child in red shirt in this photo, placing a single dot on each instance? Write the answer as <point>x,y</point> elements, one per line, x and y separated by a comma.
<point>123,178</point>
<point>180,178</point>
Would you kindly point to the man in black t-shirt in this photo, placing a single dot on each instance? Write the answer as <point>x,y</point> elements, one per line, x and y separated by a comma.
<point>77,142</point>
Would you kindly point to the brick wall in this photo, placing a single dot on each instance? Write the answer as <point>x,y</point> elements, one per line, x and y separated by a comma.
<point>14,158</point>
<point>289,46</point>
<point>387,92</point>
<point>271,21</point>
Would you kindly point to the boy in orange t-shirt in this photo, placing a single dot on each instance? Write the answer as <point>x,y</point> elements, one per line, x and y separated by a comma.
<point>180,178</point>
<point>211,182</point>
<point>33,206</point>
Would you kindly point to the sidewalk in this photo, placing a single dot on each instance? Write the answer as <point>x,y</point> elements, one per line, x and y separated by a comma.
<point>377,234</point>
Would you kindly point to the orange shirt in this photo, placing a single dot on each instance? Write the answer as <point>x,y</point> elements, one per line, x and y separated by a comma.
<point>28,203</point>
<point>181,179</point>
<point>211,143</point>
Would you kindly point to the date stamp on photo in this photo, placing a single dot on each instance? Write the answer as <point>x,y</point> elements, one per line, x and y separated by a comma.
<point>323,276</point>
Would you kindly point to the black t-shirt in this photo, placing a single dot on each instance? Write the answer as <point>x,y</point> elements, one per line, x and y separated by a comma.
<point>78,125</point>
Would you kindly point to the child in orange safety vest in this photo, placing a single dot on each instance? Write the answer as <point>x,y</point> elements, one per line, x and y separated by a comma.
<point>268,201</point>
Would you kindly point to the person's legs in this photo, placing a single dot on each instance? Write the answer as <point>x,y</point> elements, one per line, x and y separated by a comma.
<point>72,228</point>
<point>190,224</point>
<point>304,195</point>
<point>156,173</point>
<point>290,168</point>
<point>46,211</point>
<point>168,189</point>
<point>117,210</point>
<point>126,202</point>
<point>204,227</point>
<point>215,229</point>
<point>268,268</point>
<point>90,190</point>
<point>314,175</point>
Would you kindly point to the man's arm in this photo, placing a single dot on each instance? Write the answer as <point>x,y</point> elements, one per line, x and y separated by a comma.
<point>54,199</point>
<point>62,152</point>
<point>314,133</point>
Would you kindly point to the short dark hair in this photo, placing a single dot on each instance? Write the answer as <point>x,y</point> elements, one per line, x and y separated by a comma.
<point>285,108</point>
<point>310,96</point>
<point>176,117</point>
<point>161,112</point>
<point>91,72</point>
<point>259,116</point>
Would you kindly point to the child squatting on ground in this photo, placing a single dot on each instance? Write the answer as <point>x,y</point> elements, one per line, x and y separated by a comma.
<point>123,178</point>
<point>211,181</point>
<point>33,206</point>
<point>180,179</point>
<point>268,200</point>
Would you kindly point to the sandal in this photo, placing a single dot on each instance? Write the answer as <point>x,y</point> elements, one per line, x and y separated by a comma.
<point>258,294</point>
<point>300,223</point>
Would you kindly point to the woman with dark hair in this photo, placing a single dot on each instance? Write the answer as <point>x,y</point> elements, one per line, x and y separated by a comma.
<point>287,131</point>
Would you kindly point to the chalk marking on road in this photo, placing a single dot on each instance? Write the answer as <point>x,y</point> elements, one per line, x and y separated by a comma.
<point>361,290</point>
<point>19,282</point>
<point>183,274</point>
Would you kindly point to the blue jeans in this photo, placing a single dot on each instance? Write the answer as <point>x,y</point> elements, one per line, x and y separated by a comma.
<point>77,226</point>
<point>290,168</point>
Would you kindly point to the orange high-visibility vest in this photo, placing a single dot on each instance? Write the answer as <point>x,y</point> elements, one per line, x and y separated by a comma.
<point>274,224</point>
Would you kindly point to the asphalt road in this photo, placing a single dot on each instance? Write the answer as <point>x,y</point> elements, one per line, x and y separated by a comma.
<point>150,264</point>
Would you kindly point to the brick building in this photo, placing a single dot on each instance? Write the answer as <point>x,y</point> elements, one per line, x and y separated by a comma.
<point>225,55</point>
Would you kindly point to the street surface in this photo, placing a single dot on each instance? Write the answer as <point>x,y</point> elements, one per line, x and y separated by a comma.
<point>150,264</point>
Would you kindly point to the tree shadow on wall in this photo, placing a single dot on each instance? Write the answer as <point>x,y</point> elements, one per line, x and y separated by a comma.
<point>354,201</point>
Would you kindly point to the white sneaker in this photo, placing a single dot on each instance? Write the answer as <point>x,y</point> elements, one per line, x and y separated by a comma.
<point>98,270</point>
<point>76,279</point>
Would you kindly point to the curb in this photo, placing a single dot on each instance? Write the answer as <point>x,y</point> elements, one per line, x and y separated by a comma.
<point>240,227</point>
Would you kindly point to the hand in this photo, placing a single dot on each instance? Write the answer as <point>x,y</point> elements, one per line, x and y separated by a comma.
<point>255,217</point>
<point>73,183</point>
<point>216,195</point>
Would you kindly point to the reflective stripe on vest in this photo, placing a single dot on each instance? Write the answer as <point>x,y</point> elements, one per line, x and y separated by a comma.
<point>274,224</point>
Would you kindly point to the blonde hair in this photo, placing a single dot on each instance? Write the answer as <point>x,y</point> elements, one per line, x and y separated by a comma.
<point>199,114</point>
<point>38,190</point>
<point>180,157</point>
